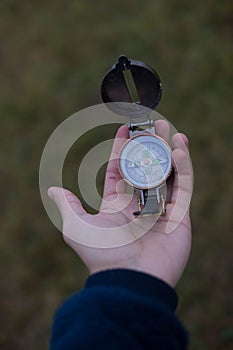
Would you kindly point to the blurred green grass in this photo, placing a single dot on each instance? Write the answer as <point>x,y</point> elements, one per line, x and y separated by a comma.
<point>52,58</point>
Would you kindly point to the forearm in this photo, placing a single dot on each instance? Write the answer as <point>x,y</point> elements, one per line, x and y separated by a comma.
<point>119,309</point>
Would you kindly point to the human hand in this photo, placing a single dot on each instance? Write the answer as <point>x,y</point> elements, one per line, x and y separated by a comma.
<point>157,253</point>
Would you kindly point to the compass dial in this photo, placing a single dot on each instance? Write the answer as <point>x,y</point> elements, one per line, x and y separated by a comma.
<point>145,161</point>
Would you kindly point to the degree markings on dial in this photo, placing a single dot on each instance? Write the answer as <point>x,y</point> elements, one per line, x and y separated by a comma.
<point>145,162</point>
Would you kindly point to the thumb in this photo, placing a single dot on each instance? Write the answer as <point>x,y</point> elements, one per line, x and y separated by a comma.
<point>68,204</point>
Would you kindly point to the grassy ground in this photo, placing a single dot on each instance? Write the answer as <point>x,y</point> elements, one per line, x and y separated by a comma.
<point>52,57</point>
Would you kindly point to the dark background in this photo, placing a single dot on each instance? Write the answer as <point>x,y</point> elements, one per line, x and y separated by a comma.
<point>52,58</point>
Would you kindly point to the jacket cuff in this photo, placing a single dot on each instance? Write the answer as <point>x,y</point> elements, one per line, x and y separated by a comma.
<point>137,282</point>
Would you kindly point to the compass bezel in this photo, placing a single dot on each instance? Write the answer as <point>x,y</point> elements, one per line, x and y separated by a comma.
<point>155,184</point>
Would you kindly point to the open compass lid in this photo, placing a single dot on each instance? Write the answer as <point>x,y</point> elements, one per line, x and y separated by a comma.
<point>133,82</point>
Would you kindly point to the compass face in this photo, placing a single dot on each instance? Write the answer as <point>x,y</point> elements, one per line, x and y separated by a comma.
<point>145,161</point>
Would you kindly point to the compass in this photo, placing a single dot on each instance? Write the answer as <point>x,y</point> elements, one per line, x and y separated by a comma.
<point>145,160</point>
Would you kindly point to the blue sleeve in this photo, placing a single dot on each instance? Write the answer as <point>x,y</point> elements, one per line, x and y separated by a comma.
<point>118,310</point>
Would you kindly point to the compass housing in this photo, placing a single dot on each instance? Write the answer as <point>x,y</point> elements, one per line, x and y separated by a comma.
<point>145,161</point>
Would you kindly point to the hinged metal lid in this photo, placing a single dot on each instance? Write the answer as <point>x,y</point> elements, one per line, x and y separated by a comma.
<point>133,82</point>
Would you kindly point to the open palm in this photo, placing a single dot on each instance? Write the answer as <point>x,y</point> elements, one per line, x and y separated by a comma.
<point>114,238</point>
